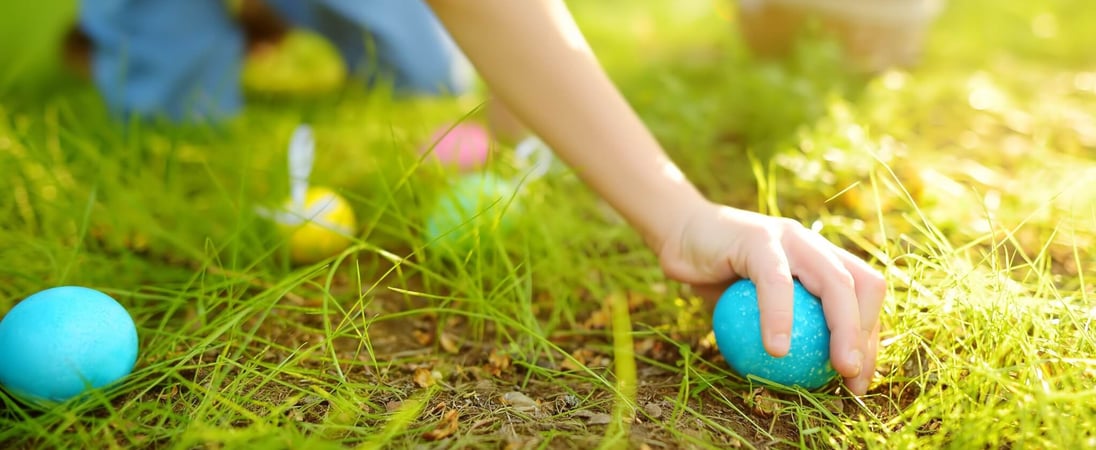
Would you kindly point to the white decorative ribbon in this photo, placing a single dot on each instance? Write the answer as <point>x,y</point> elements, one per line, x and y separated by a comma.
<point>302,150</point>
<point>302,153</point>
<point>536,156</point>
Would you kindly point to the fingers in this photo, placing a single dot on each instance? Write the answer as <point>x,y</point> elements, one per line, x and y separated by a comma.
<point>773,251</point>
<point>871,288</point>
<point>771,274</point>
<point>852,294</point>
<point>859,384</point>
<point>824,274</point>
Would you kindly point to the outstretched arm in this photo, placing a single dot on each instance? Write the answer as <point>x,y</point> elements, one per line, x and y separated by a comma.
<point>536,61</point>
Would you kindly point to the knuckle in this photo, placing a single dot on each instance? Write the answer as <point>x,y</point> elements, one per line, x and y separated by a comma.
<point>843,279</point>
<point>779,278</point>
<point>789,225</point>
<point>874,283</point>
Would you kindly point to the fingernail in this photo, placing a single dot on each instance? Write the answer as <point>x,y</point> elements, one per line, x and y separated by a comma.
<point>856,359</point>
<point>858,387</point>
<point>781,342</point>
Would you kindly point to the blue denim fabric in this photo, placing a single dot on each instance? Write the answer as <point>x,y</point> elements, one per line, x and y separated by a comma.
<point>181,59</point>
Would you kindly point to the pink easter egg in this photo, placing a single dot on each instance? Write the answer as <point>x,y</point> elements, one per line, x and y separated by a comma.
<point>464,146</point>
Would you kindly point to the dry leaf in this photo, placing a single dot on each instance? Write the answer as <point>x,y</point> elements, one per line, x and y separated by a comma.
<point>424,377</point>
<point>931,427</point>
<point>482,423</point>
<point>764,403</point>
<point>445,428</point>
<point>653,410</point>
<point>637,301</point>
<point>438,407</point>
<point>662,351</point>
<point>449,344</point>
<point>519,401</point>
<point>422,337</point>
<point>484,386</point>
<point>599,419</point>
<point>598,319</point>
<point>582,355</point>
<point>836,405</point>
<point>497,363</point>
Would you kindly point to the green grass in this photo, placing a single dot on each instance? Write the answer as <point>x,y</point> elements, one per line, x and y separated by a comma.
<point>970,180</point>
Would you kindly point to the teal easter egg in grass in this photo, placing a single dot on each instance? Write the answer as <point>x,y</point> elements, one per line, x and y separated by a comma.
<point>476,209</point>
<point>737,326</point>
<point>61,342</point>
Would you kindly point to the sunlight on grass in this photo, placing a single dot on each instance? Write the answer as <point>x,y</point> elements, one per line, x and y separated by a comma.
<point>968,180</point>
<point>624,411</point>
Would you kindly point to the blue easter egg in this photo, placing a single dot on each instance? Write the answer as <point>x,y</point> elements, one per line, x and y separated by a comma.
<point>475,208</point>
<point>737,326</point>
<point>58,343</point>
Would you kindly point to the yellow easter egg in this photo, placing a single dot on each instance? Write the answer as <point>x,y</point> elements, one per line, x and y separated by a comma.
<point>302,63</point>
<point>323,229</point>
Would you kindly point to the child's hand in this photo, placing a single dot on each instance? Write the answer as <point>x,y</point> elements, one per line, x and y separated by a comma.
<point>536,61</point>
<point>717,244</point>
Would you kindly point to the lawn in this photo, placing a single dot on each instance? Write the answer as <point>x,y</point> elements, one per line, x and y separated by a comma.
<point>969,180</point>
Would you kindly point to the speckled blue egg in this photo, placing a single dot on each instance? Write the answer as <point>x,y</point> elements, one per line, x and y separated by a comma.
<point>58,343</point>
<point>737,325</point>
<point>471,212</point>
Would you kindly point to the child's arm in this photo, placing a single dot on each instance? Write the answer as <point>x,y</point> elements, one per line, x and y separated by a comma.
<point>534,58</point>
<point>536,61</point>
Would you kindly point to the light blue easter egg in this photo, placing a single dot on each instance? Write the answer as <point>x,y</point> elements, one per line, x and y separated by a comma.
<point>737,326</point>
<point>474,210</point>
<point>60,342</point>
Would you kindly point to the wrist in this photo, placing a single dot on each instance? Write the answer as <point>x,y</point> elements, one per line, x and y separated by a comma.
<point>667,212</point>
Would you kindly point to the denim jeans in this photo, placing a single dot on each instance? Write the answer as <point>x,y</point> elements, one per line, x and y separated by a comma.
<point>182,58</point>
